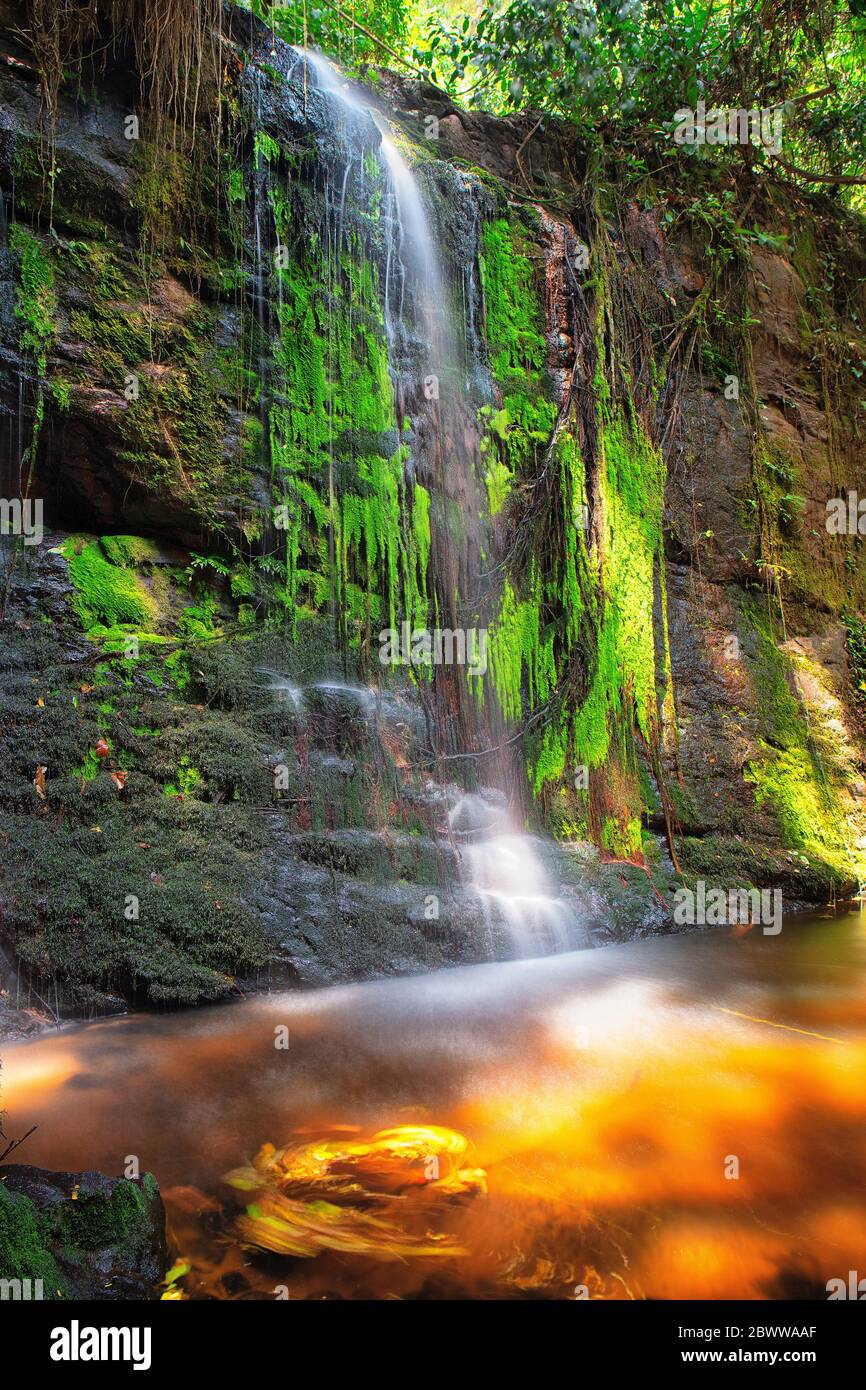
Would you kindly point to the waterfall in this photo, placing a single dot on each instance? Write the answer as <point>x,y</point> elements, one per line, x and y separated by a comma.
<point>503,868</point>
<point>412,260</point>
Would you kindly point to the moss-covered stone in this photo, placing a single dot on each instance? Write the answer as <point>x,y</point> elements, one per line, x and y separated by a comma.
<point>520,426</point>
<point>795,771</point>
<point>106,592</point>
<point>82,1234</point>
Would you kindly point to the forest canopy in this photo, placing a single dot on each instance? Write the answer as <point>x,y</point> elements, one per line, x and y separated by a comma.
<point>621,71</point>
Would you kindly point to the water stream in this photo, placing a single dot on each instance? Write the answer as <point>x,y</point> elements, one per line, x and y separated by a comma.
<point>602,1096</point>
<point>412,258</point>
<point>505,870</point>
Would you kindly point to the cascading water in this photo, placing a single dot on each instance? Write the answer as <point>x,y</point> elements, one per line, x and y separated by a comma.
<point>522,915</point>
<point>415,247</point>
<point>412,261</point>
<point>505,871</point>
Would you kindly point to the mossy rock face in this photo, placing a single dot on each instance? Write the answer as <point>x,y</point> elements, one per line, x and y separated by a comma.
<point>84,1235</point>
<point>232,748</point>
<point>728,862</point>
<point>106,592</point>
<point>380,858</point>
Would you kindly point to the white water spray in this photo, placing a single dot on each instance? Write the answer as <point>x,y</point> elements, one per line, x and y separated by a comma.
<point>506,873</point>
<point>503,866</point>
<point>412,246</point>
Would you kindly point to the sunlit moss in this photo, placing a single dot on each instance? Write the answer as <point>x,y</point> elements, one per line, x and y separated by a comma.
<point>513,322</point>
<point>107,594</point>
<point>597,602</point>
<point>357,530</point>
<point>793,775</point>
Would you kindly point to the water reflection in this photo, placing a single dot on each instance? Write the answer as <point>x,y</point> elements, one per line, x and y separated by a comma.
<point>603,1094</point>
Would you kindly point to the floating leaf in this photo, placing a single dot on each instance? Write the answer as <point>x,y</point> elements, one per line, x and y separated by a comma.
<point>178,1271</point>
<point>323,1195</point>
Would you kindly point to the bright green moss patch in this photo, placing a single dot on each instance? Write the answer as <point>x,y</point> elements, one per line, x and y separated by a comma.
<point>511,306</point>
<point>622,837</point>
<point>357,531</point>
<point>35,296</point>
<point>582,629</point>
<point>513,327</point>
<point>129,551</point>
<point>795,774</point>
<point>624,686</point>
<point>786,779</point>
<point>23,1250</point>
<point>106,594</point>
<point>597,605</point>
<point>188,781</point>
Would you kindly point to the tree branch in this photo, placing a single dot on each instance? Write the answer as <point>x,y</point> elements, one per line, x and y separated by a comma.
<point>845,180</point>
<point>15,1143</point>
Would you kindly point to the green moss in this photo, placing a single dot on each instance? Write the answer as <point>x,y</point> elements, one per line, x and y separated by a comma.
<point>513,329</point>
<point>175,431</point>
<point>61,392</point>
<point>792,775</point>
<point>57,1242</point>
<point>356,530</point>
<point>23,1250</point>
<point>183,210</point>
<point>94,1222</point>
<point>106,594</point>
<point>519,649</point>
<point>129,551</point>
<point>266,148</point>
<point>785,778</point>
<point>175,423</point>
<point>581,638</point>
<point>624,685</point>
<point>35,308</point>
<point>855,632</point>
<point>91,767</point>
<point>35,296</point>
<point>622,836</point>
<point>597,605</point>
<point>188,781</point>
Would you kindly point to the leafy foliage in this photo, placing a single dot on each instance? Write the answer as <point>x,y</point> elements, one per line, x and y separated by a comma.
<point>355,34</point>
<point>627,68</point>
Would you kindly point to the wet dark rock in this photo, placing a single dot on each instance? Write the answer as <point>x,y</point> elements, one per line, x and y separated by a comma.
<point>332,926</point>
<point>84,1235</point>
<point>381,855</point>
